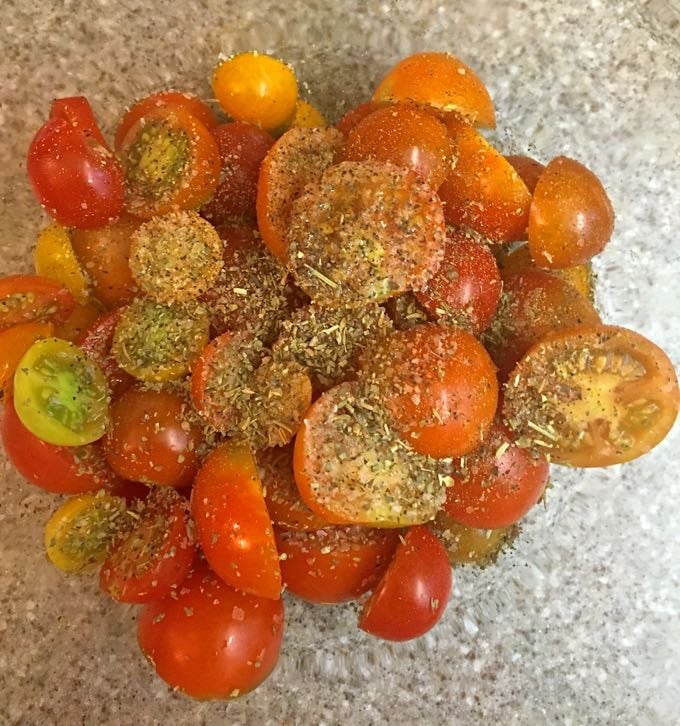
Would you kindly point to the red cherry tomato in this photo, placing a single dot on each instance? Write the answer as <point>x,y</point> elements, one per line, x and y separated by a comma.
<point>209,640</point>
<point>74,174</point>
<point>334,564</point>
<point>355,115</point>
<point>30,298</point>
<point>233,526</point>
<point>412,595</point>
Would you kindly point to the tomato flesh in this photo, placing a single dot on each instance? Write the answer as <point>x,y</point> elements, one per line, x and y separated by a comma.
<point>30,298</point>
<point>14,342</point>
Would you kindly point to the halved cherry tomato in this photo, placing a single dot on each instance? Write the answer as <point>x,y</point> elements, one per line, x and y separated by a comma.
<point>285,507</point>
<point>209,640</point>
<point>355,115</point>
<point>59,469</point>
<point>55,259</point>
<point>571,217</point>
<point>60,395</point>
<point>483,191</point>
<point>412,595</point>
<point>190,103</point>
<point>466,288</point>
<point>367,231</point>
<point>334,564</point>
<point>256,88</point>
<point>104,255</point>
<point>78,534</point>
<point>533,304</point>
<point>171,162</point>
<point>232,524</point>
<point>29,298</point>
<point>74,174</point>
<point>405,135</point>
<point>529,169</point>
<point>243,148</point>
<point>155,555</point>
<point>438,385</point>
<point>593,396</point>
<point>498,483</point>
<point>14,342</point>
<point>307,117</point>
<point>440,80</point>
<point>82,317</point>
<point>350,468</point>
<point>152,438</point>
<point>298,158</point>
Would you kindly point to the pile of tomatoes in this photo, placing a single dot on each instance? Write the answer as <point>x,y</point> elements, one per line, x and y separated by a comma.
<point>268,354</point>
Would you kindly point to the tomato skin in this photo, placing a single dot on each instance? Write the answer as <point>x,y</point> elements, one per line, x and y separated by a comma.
<point>412,595</point>
<point>14,342</point>
<point>149,439</point>
<point>54,258</point>
<point>185,637</point>
<point>355,115</point>
<point>58,469</point>
<point>232,523</point>
<point>529,169</point>
<point>74,175</point>
<point>37,300</point>
<point>497,491</point>
<point>334,564</point>
<point>307,117</point>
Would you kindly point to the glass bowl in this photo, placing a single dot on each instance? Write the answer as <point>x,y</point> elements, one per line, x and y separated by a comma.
<point>579,622</point>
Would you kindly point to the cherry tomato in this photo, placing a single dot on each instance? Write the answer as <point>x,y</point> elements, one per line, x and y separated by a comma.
<point>55,259</point>
<point>104,256</point>
<point>256,88</point>
<point>367,231</point>
<point>152,439</point>
<point>82,317</point>
<point>529,170</point>
<point>60,395</point>
<point>440,80</point>
<point>593,396</point>
<point>307,117</point>
<point>74,175</point>
<point>413,593</point>
<point>14,342</point>
<point>175,258</point>
<point>243,148</point>
<point>78,534</point>
<point>29,298</point>
<point>533,304</point>
<point>350,468</point>
<point>171,162</point>
<point>298,158</point>
<point>406,136</point>
<point>483,191</point>
<point>406,312</point>
<point>571,218</point>
<point>498,483</point>
<point>334,564</point>
<point>285,507</point>
<point>209,640</point>
<point>155,555</point>
<point>466,288</point>
<point>59,469</point>
<point>232,524</point>
<point>190,103</point>
<point>355,115</point>
<point>439,386</point>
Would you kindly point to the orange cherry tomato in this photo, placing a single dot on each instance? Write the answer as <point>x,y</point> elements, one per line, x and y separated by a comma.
<point>14,342</point>
<point>406,136</point>
<point>298,158</point>
<point>592,396</point>
<point>30,298</point>
<point>438,385</point>
<point>355,115</point>
<point>571,218</point>
<point>334,564</point>
<point>440,80</point>
<point>529,169</point>
<point>82,317</point>
<point>190,103</point>
<point>232,523</point>
<point>483,191</point>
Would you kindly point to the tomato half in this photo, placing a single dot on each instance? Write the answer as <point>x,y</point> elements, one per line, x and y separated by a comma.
<point>14,342</point>
<point>29,298</point>
<point>155,555</point>
<point>73,173</point>
<point>529,169</point>
<point>355,115</point>
<point>412,595</point>
<point>209,640</point>
<point>307,117</point>
<point>55,259</point>
<point>593,396</point>
<point>334,564</point>
<point>82,317</point>
<point>232,524</point>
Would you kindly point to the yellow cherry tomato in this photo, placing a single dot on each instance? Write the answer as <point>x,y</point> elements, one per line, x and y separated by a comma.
<point>82,317</point>
<point>14,342</point>
<point>307,117</point>
<point>256,88</point>
<point>55,259</point>
<point>78,534</point>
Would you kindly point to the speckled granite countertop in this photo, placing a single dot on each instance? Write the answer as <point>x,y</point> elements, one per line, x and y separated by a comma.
<point>580,624</point>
